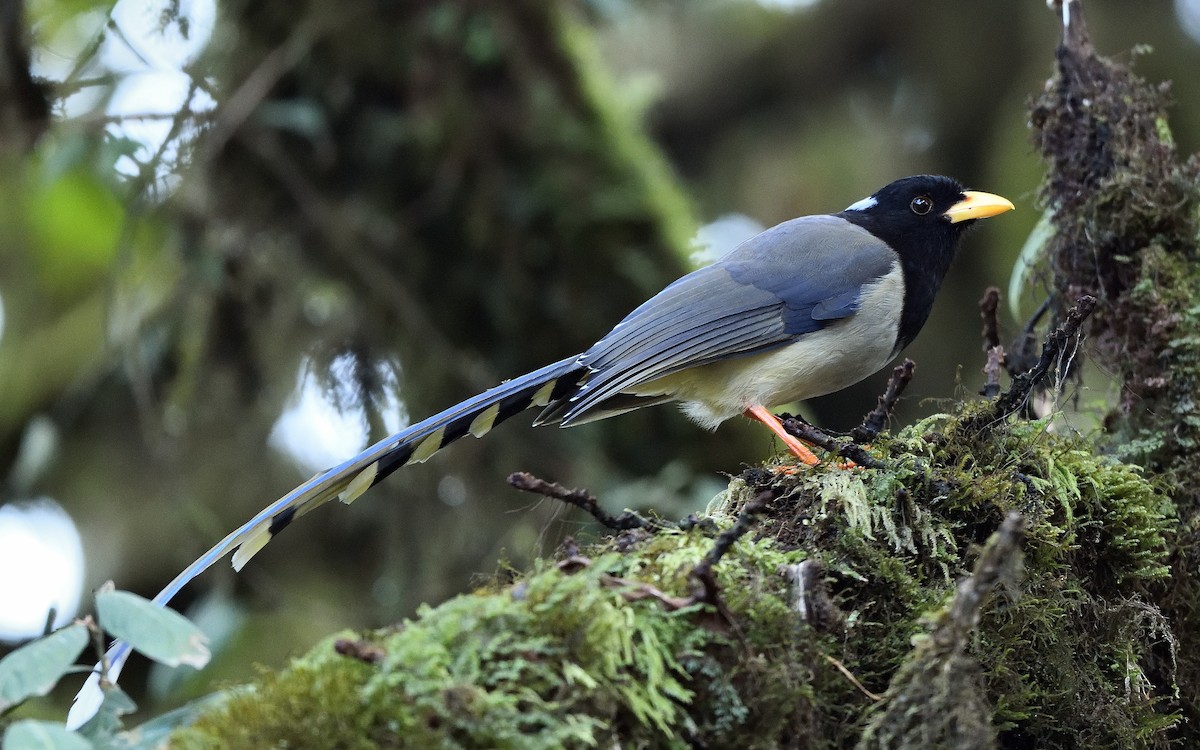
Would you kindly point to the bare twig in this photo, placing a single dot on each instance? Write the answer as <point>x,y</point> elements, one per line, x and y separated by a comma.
<point>102,119</point>
<point>703,576</point>
<point>363,651</point>
<point>853,680</point>
<point>1023,384</point>
<point>241,104</point>
<point>582,499</point>
<point>631,591</point>
<point>991,325</point>
<point>991,342</point>
<point>876,420</point>
<point>704,589</point>
<point>998,562</point>
<point>1020,356</point>
<point>818,437</point>
<point>991,371</point>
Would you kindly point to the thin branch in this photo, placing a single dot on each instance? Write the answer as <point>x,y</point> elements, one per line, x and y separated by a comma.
<point>876,420</point>
<point>103,120</point>
<point>631,591</point>
<point>581,499</point>
<point>703,572</point>
<point>1052,350</point>
<point>991,372</point>
<point>1020,356</point>
<point>853,680</point>
<point>818,437</point>
<point>987,311</point>
<point>364,651</point>
<point>255,88</point>
<point>997,563</point>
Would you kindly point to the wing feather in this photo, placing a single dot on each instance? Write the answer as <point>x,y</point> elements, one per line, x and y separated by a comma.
<point>793,279</point>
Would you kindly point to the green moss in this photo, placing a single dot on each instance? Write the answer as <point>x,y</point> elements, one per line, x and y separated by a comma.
<point>588,653</point>
<point>280,706</point>
<point>1126,214</point>
<point>564,658</point>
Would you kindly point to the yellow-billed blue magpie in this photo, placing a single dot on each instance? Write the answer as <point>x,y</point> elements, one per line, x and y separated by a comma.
<point>805,308</point>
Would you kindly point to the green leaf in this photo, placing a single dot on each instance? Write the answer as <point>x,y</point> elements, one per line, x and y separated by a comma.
<point>75,223</point>
<point>30,734</point>
<point>36,667</point>
<point>1031,252</point>
<point>162,634</point>
<point>104,726</point>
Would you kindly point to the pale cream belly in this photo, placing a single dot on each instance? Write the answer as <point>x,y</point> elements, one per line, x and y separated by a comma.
<point>820,362</point>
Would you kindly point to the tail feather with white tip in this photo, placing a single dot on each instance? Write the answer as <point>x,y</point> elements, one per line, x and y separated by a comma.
<point>348,480</point>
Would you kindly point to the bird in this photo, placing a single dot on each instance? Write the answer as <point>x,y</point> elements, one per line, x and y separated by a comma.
<point>803,309</point>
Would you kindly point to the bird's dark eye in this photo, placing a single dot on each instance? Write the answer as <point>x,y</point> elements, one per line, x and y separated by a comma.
<point>921,205</point>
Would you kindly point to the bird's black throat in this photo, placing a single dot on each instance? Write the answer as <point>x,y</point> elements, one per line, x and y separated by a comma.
<point>924,243</point>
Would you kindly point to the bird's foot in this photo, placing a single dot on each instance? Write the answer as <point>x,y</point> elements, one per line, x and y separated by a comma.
<point>797,446</point>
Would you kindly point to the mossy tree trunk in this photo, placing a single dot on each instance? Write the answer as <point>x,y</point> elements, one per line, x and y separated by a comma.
<point>1125,207</point>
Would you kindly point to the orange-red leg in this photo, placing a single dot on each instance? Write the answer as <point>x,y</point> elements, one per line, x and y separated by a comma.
<point>794,444</point>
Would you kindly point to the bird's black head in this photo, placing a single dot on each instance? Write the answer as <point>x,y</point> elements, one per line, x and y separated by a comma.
<point>922,218</point>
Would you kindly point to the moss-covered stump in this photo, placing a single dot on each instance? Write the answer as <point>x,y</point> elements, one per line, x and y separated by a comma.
<point>846,591</point>
<point>1124,204</point>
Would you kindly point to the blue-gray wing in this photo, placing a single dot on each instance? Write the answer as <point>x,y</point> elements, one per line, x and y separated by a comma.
<point>790,280</point>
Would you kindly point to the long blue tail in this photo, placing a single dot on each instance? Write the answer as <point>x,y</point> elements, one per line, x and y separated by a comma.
<point>348,480</point>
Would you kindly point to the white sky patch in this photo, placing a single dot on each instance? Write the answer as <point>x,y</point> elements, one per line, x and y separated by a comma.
<point>152,36</point>
<point>148,50</point>
<point>144,46</point>
<point>320,429</point>
<point>716,238</point>
<point>41,567</point>
<point>1188,13</point>
<point>146,100</point>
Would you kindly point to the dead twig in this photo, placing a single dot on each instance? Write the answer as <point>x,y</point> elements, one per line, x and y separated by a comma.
<point>853,680</point>
<point>1056,341</point>
<point>363,651</point>
<point>821,439</point>
<point>991,342</point>
<point>1020,356</point>
<point>631,591</point>
<point>991,324</point>
<point>703,574</point>
<point>704,589</point>
<point>876,419</point>
<point>991,372</point>
<point>581,499</point>
<point>997,564</point>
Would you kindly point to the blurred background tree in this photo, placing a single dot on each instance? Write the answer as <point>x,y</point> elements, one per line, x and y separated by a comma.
<point>240,239</point>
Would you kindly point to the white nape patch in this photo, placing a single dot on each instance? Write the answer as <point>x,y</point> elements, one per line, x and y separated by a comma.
<point>863,204</point>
